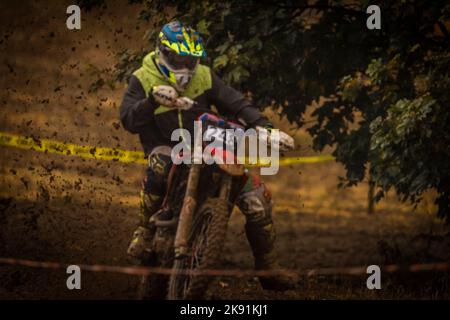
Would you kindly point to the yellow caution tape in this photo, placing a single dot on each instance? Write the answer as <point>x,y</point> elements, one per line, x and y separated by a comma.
<point>312,159</point>
<point>69,149</point>
<point>110,154</point>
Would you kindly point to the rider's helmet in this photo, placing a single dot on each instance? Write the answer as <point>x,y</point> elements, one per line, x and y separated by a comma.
<point>179,49</point>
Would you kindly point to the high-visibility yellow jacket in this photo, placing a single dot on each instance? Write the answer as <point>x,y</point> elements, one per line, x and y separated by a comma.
<point>154,123</point>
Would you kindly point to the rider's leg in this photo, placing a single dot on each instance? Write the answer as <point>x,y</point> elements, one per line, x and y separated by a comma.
<point>255,202</point>
<point>153,188</point>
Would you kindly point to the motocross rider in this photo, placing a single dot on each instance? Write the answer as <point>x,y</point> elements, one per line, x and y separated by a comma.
<point>150,108</point>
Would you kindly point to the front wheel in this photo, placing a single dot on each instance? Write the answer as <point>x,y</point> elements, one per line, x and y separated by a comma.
<point>206,241</point>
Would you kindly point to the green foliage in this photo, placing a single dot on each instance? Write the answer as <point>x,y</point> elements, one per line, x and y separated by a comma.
<point>410,149</point>
<point>278,51</point>
<point>402,105</point>
<point>387,90</point>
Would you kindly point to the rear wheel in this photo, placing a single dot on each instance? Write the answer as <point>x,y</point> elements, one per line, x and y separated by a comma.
<point>206,240</point>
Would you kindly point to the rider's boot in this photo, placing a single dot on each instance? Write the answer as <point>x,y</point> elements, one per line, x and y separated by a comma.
<point>140,245</point>
<point>262,239</point>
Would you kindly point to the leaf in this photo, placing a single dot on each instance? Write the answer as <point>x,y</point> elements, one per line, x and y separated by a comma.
<point>222,48</point>
<point>220,62</point>
<point>202,27</point>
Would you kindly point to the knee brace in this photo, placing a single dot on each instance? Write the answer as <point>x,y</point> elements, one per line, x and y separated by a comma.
<point>255,202</point>
<point>159,163</point>
<point>154,184</point>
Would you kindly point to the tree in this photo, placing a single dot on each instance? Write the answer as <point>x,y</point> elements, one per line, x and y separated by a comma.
<point>402,99</point>
<point>387,90</point>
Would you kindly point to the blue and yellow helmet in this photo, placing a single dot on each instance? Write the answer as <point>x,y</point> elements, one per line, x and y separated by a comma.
<point>179,50</point>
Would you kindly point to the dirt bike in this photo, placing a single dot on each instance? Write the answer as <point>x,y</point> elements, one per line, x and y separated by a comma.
<point>190,228</point>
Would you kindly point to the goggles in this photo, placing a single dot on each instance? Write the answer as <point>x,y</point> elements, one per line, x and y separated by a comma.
<point>178,62</point>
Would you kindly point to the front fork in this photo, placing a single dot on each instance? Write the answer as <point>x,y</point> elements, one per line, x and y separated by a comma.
<point>189,204</point>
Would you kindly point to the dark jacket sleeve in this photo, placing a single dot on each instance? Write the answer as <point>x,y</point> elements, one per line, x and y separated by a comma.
<point>136,110</point>
<point>233,103</point>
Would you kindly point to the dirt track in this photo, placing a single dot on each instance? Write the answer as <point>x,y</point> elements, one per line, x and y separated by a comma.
<point>83,211</point>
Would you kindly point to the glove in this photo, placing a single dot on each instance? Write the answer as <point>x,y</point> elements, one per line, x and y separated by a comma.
<point>165,95</point>
<point>285,141</point>
<point>184,103</point>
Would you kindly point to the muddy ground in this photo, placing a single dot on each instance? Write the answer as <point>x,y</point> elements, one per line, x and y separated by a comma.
<point>74,210</point>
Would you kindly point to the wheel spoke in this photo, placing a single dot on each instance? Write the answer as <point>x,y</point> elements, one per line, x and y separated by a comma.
<point>210,221</point>
<point>195,260</point>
